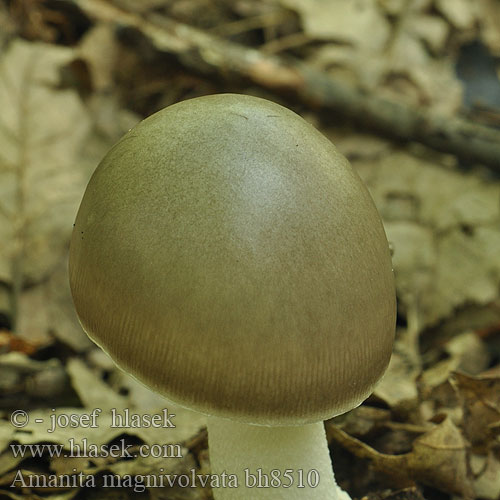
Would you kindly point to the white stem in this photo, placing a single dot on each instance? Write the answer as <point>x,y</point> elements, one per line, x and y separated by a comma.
<point>298,455</point>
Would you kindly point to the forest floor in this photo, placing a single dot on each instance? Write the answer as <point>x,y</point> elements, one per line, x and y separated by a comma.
<point>408,91</point>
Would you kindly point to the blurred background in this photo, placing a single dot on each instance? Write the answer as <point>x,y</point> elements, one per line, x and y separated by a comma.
<point>408,90</point>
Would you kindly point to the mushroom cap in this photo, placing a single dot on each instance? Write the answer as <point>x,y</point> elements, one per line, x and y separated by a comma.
<point>227,256</point>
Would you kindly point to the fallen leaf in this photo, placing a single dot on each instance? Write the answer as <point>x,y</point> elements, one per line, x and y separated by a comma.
<point>480,397</point>
<point>360,22</point>
<point>461,13</point>
<point>10,342</point>
<point>438,459</point>
<point>432,30</point>
<point>22,377</point>
<point>486,470</point>
<point>99,50</point>
<point>414,256</point>
<point>439,400</point>
<point>490,17</point>
<point>464,352</point>
<point>398,385</point>
<point>41,132</point>
<point>92,391</point>
<point>467,270</point>
<point>43,129</point>
<point>446,225</point>
<point>362,420</point>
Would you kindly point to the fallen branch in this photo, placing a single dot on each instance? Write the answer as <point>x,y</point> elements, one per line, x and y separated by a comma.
<point>206,53</point>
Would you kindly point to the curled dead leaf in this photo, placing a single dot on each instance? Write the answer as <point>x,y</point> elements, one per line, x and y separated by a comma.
<point>480,398</point>
<point>438,459</point>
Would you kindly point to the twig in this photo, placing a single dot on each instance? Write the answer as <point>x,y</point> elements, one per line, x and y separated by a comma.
<point>209,54</point>
<point>268,20</point>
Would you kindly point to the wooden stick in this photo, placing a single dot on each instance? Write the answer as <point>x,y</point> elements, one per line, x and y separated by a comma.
<point>209,54</point>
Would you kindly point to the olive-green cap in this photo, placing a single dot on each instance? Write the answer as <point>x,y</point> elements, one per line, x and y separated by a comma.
<point>227,255</point>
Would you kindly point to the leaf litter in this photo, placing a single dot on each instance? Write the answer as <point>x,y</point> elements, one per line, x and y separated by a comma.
<point>433,423</point>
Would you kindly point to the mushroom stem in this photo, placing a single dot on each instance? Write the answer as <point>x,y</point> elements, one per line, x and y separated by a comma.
<point>298,455</point>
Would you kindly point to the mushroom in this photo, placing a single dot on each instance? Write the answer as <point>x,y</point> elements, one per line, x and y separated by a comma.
<point>227,256</point>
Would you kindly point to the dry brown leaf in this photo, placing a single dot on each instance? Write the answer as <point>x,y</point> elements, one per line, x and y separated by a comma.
<point>407,52</point>
<point>99,50</point>
<point>396,7</point>
<point>465,352</point>
<point>487,476</point>
<point>432,30</point>
<point>138,395</point>
<point>440,400</point>
<point>399,67</point>
<point>95,393</point>
<point>23,377</point>
<point>469,354</point>
<point>92,391</point>
<point>47,311</point>
<point>438,459</point>
<point>398,386</point>
<point>42,130</point>
<point>359,23</point>
<point>110,120</point>
<point>461,13</point>
<point>362,420</point>
<point>414,255</point>
<point>10,342</point>
<point>467,270</point>
<point>490,20</point>
<point>480,397</point>
<point>446,226</point>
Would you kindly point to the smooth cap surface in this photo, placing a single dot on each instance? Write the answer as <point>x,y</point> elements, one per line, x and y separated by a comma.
<point>227,255</point>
